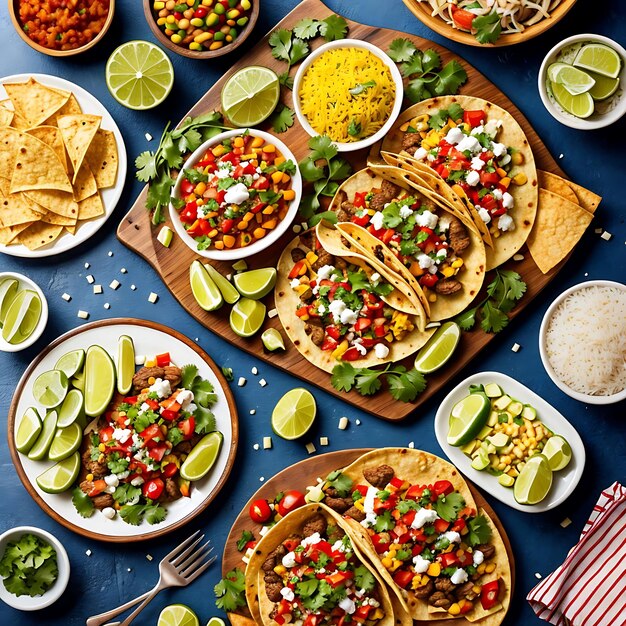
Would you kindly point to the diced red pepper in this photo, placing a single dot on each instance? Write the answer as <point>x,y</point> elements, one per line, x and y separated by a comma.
<point>387,235</point>
<point>170,470</point>
<point>296,269</point>
<point>441,526</point>
<point>467,607</point>
<point>362,489</point>
<point>474,118</point>
<point>489,179</point>
<point>415,492</point>
<point>186,187</point>
<point>403,578</point>
<point>169,415</point>
<point>359,199</point>
<point>489,594</point>
<point>329,343</point>
<point>362,324</point>
<point>408,517</point>
<point>163,360</point>
<point>362,220</point>
<point>381,543</point>
<point>333,331</point>
<point>153,488</point>
<point>351,354</point>
<point>459,525</point>
<point>418,548</point>
<point>190,213</point>
<point>261,183</point>
<point>153,431</point>
<point>131,399</point>
<point>443,487</point>
<point>448,559</point>
<point>106,434</point>
<point>428,280</point>
<point>227,225</point>
<point>187,427</point>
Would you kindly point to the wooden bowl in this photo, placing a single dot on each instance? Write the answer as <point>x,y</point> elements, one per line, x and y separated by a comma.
<point>14,11</point>
<point>422,10</point>
<point>200,54</point>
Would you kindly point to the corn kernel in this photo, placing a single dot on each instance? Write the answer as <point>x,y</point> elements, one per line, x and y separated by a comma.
<point>434,569</point>
<point>520,179</point>
<point>259,233</point>
<point>285,178</point>
<point>505,182</point>
<point>481,568</point>
<point>490,568</point>
<point>89,477</point>
<point>269,148</point>
<point>289,194</point>
<point>517,158</point>
<point>203,37</point>
<point>277,177</point>
<point>102,447</point>
<point>257,142</point>
<point>151,380</point>
<point>457,263</point>
<point>448,272</point>
<point>454,609</point>
<point>280,569</point>
<point>311,257</point>
<point>238,142</point>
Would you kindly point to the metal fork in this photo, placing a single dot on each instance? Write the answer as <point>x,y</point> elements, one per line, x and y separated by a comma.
<point>177,569</point>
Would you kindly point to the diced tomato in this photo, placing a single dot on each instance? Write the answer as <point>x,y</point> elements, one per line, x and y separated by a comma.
<point>158,452</point>
<point>415,492</point>
<point>333,331</point>
<point>462,19</point>
<point>362,324</point>
<point>153,404</point>
<point>169,415</point>
<point>444,149</point>
<point>381,542</point>
<point>98,487</point>
<point>488,202</point>
<point>296,269</point>
<point>489,594</point>
<point>291,544</point>
<point>441,526</point>
<point>260,511</point>
<point>380,329</point>
<point>334,580</point>
<point>362,220</point>
<point>153,488</point>
<point>153,431</point>
<point>474,118</point>
<point>459,525</point>
<point>465,559</point>
<point>402,578</point>
<point>171,469</point>
<point>329,344</point>
<point>417,549</point>
<point>261,183</point>
<point>131,400</point>
<point>219,197</point>
<point>498,212</point>
<point>312,620</point>
<point>363,611</point>
<point>362,489</point>
<point>387,235</point>
<point>489,179</point>
<point>408,517</point>
<point>368,342</point>
<point>209,158</point>
<point>443,487</point>
<point>199,227</point>
<point>106,434</point>
<point>325,547</point>
<point>351,354</point>
<point>448,559</point>
<point>443,171</point>
<point>163,360</point>
<point>187,427</point>
<point>231,157</point>
<point>428,280</point>
<point>186,187</point>
<point>359,199</point>
<point>190,213</point>
<point>227,225</point>
<point>467,607</point>
<point>291,500</point>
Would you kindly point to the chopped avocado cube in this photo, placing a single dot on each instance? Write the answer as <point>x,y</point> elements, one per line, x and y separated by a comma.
<point>484,432</point>
<point>499,440</point>
<point>502,402</point>
<point>493,419</point>
<point>515,408</point>
<point>493,391</point>
<point>481,461</point>
<point>529,412</point>
<point>505,480</point>
<point>468,448</point>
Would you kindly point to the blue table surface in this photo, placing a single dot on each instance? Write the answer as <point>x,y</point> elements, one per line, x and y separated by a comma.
<point>115,573</point>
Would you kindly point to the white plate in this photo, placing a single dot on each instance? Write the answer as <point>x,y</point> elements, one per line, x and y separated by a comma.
<point>564,481</point>
<point>149,339</point>
<point>110,196</point>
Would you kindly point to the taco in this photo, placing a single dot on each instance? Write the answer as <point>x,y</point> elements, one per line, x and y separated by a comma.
<point>479,149</point>
<point>338,308</point>
<point>400,227</point>
<point>308,570</point>
<point>415,518</point>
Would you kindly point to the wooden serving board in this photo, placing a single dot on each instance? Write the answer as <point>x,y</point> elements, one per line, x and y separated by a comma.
<point>301,475</point>
<point>172,264</point>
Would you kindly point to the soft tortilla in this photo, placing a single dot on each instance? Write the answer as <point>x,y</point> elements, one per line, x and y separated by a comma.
<point>78,132</point>
<point>35,102</point>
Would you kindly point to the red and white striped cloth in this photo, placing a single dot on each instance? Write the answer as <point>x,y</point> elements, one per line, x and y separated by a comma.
<point>589,588</point>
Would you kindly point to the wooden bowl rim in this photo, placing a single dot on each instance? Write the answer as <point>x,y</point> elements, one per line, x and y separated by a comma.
<point>200,54</point>
<point>59,53</point>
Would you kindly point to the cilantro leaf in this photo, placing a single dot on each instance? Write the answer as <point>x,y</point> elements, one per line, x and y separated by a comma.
<point>280,42</point>
<point>340,482</point>
<point>487,27</point>
<point>363,578</point>
<point>282,119</point>
<point>188,374</point>
<point>467,319</point>
<point>455,111</point>
<point>146,166</point>
<point>493,319</point>
<point>333,27</point>
<point>246,537</point>
<point>450,78</point>
<point>431,60</point>
<point>479,531</point>
<point>134,514</point>
<point>285,80</point>
<point>368,381</point>
<point>401,49</point>
<point>416,90</point>
<point>205,420</point>
<point>339,169</point>
<point>154,513</point>
<point>329,216</point>
<point>322,148</point>
<point>287,166</point>
<point>82,503</point>
<point>384,522</point>
<point>299,49</point>
<point>126,492</point>
<point>203,392</point>
<point>407,386</point>
<point>230,591</point>
<point>175,436</point>
<point>412,66</point>
<point>307,28</point>
<point>447,507</point>
<point>343,376</point>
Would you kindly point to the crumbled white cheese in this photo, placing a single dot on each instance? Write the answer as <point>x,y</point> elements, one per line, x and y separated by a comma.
<point>289,560</point>
<point>90,279</point>
<point>381,350</point>
<point>424,261</point>
<point>424,516</point>
<point>109,512</point>
<point>505,222</point>
<point>469,143</point>
<point>114,284</point>
<point>135,482</point>
<point>347,605</point>
<point>498,149</point>
<point>377,220</point>
<point>112,480</point>
<point>426,219</point>
<point>473,178</point>
<point>324,272</point>
<point>267,443</point>
<point>405,211</point>
<point>254,370</point>
<point>66,297</point>
<point>256,446</point>
<point>454,135</point>
<point>411,445</point>
<point>323,441</point>
<point>310,447</point>
<point>360,348</point>
<point>287,594</point>
<point>343,423</point>
<point>606,235</point>
<point>184,397</point>
<point>452,536</point>
<point>477,163</point>
<point>515,347</point>
<point>507,200</point>
<point>153,297</point>
<point>420,564</point>
<point>459,577</point>
<point>262,382</point>
<point>83,315</point>
<point>161,387</point>
<point>478,557</point>
<point>241,382</point>
<point>420,153</point>
<point>348,317</point>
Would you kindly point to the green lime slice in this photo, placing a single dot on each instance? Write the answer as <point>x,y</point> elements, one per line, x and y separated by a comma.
<point>60,477</point>
<point>216,621</point>
<point>581,105</point>
<point>203,287</point>
<point>202,457</point>
<point>247,317</point>
<point>439,348</point>
<point>178,615</point>
<point>250,95</point>
<point>42,445</point>
<point>65,442</point>
<point>574,80</point>
<point>99,381</point>
<point>229,293</point>
<point>534,481</point>
<point>294,414</point>
<point>125,364</point>
<point>255,284</point>
<point>468,416</point>
<point>22,317</point>
<point>272,339</point>
<point>604,87</point>
<point>50,388</point>
<point>599,58</point>
<point>8,291</point>
<point>72,410</point>
<point>165,236</point>
<point>28,430</point>
<point>71,362</point>
<point>78,381</point>
<point>139,75</point>
<point>558,452</point>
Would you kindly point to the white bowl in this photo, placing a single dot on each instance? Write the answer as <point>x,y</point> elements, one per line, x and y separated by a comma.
<point>596,120</point>
<point>395,74</point>
<point>582,397</point>
<point>26,283</point>
<point>260,245</point>
<point>26,603</point>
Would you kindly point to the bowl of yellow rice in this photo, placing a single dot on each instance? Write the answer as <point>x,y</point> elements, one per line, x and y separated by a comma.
<point>349,90</point>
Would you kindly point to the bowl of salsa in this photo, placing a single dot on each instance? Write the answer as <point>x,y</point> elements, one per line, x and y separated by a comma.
<point>61,27</point>
<point>236,195</point>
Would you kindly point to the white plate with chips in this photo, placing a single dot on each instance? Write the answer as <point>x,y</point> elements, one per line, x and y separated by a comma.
<point>110,195</point>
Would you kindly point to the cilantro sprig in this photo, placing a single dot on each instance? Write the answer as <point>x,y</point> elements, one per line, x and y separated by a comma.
<point>487,27</point>
<point>230,591</point>
<point>479,531</point>
<point>204,398</point>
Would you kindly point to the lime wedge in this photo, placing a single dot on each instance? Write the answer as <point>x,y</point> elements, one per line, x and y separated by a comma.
<point>202,457</point>
<point>255,284</point>
<point>272,339</point>
<point>165,236</point>
<point>581,105</point>
<point>65,442</point>
<point>250,95</point>
<point>574,80</point>
<point>468,416</point>
<point>99,381</point>
<point>28,430</point>
<point>125,364</point>
<point>604,87</point>
<point>60,477</point>
<point>558,452</point>
<point>203,287</point>
<point>534,481</point>
<point>49,388</point>
<point>78,381</point>
<point>438,349</point>
<point>22,317</point>
<point>229,293</point>
<point>8,291</point>
<point>216,621</point>
<point>178,615</point>
<point>247,317</point>
<point>41,446</point>
<point>139,75</point>
<point>72,410</point>
<point>71,362</point>
<point>599,58</point>
<point>294,414</point>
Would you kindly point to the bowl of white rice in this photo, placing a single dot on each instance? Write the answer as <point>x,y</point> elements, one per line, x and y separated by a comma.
<point>582,342</point>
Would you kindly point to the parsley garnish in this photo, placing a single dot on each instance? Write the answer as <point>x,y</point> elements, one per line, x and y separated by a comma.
<point>384,522</point>
<point>134,514</point>
<point>363,578</point>
<point>117,465</point>
<point>282,118</point>
<point>204,398</point>
<point>440,119</point>
<point>487,27</point>
<point>479,531</point>
<point>230,591</point>
<point>82,503</point>
<point>447,507</point>
<point>340,482</point>
<point>126,493</point>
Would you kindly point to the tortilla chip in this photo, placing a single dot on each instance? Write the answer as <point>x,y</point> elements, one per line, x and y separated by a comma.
<point>557,185</point>
<point>51,136</point>
<point>70,229</point>
<point>587,199</point>
<point>35,102</point>
<point>85,185</point>
<point>59,220</point>
<point>59,202</point>
<point>7,235</point>
<point>14,207</point>
<point>559,226</point>
<point>78,132</point>
<point>102,158</point>
<point>37,167</point>
<point>71,107</point>
<point>90,207</point>
<point>6,114</point>
<point>38,234</point>
<point>8,150</point>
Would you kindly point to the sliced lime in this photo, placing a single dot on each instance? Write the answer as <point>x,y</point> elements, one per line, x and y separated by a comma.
<point>250,95</point>
<point>125,364</point>
<point>71,362</point>
<point>72,410</point>
<point>534,481</point>
<point>604,87</point>
<point>294,414</point>
<point>439,348</point>
<point>42,445</point>
<point>202,457</point>
<point>60,477</point>
<point>50,388</point>
<point>574,80</point>
<point>581,105</point>
<point>468,416</point>
<point>99,381</point>
<point>599,58</point>
<point>22,317</point>
<point>139,75</point>
<point>165,236</point>
<point>203,287</point>
<point>28,430</point>
<point>230,294</point>
<point>558,452</point>
<point>240,266</point>
<point>247,317</point>
<point>272,339</point>
<point>216,621</point>
<point>78,381</point>
<point>65,442</point>
<point>255,284</point>
<point>8,290</point>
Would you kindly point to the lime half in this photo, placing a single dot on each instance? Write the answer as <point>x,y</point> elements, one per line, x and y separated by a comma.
<point>99,381</point>
<point>574,80</point>
<point>65,442</point>
<point>22,317</point>
<point>203,287</point>
<point>42,445</point>
<point>247,317</point>
<point>28,430</point>
<point>178,615</point>
<point>229,293</point>
<point>60,477</point>
<point>255,284</point>
<point>125,364</point>
<point>599,58</point>
<point>216,621</point>
<point>558,452</point>
<point>49,388</point>
<point>272,339</point>
<point>139,75</point>
<point>8,291</point>
<point>294,414</point>
<point>468,416</point>
<point>71,362</point>
<point>604,87</point>
<point>581,105</point>
<point>534,481</point>
<point>250,95</point>
<point>73,409</point>
<point>438,349</point>
<point>203,456</point>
